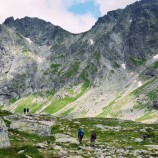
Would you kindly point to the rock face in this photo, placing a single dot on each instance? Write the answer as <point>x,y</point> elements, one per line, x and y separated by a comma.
<point>115,57</point>
<point>4,139</point>
<point>30,124</point>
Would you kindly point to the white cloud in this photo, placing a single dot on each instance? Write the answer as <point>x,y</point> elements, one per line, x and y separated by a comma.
<point>108,5</point>
<point>56,11</point>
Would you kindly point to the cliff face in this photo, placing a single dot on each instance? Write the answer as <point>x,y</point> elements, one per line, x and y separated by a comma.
<point>92,70</point>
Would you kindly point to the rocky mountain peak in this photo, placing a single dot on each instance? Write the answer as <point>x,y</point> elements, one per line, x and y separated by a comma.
<point>42,32</point>
<point>9,21</point>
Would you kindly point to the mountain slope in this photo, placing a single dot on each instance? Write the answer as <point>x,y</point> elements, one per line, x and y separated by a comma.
<point>103,72</point>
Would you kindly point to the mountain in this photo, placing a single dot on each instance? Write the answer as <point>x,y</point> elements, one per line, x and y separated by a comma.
<point>108,71</point>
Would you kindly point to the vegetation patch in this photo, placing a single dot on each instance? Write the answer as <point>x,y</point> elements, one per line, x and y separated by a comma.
<point>70,91</point>
<point>97,56</point>
<point>55,46</point>
<point>155,65</point>
<point>116,65</point>
<point>54,68</point>
<point>13,100</point>
<point>152,95</point>
<point>58,104</point>
<point>73,69</point>
<point>138,61</point>
<point>34,102</point>
<point>4,113</point>
<point>67,112</point>
<point>147,116</point>
<point>114,135</point>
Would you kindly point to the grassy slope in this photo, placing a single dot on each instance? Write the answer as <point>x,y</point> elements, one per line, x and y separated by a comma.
<point>114,107</point>
<point>61,103</point>
<point>37,101</point>
<point>118,139</point>
<point>32,102</point>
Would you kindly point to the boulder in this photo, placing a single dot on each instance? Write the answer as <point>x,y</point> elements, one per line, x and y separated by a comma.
<point>33,124</point>
<point>138,140</point>
<point>62,138</point>
<point>155,147</point>
<point>67,140</point>
<point>4,139</point>
<point>42,145</point>
<point>31,127</point>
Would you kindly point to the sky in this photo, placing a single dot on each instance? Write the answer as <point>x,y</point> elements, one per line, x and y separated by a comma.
<point>75,16</point>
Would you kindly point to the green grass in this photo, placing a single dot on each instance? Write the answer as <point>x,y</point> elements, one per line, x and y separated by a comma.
<point>73,69</point>
<point>70,91</point>
<point>146,116</point>
<point>34,102</point>
<point>144,86</point>
<point>13,100</point>
<point>25,141</point>
<point>97,56</point>
<point>67,112</point>
<point>119,139</point>
<point>61,103</point>
<point>155,65</point>
<point>138,61</point>
<point>114,107</point>
<point>54,68</point>
<point>107,110</point>
<point>152,95</point>
<point>4,113</point>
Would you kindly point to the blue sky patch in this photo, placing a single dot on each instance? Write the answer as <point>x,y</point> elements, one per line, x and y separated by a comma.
<point>87,7</point>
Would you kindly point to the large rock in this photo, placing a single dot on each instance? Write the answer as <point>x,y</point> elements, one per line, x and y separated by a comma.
<point>4,139</point>
<point>138,140</point>
<point>31,127</point>
<point>107,128</point>
<point>62,138</point>
<point>152,146</point>
<point>31,124</point>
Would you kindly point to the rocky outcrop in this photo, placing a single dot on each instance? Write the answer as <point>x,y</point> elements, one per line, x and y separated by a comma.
<point>31,124</point>
<point>39,31</point>
<point>4,139</point>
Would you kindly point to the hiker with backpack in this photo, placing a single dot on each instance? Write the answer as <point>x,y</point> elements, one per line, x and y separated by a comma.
<point>24,110</point>
<point>80,135</point>
<point>93,138</point>
<point>27,110</point>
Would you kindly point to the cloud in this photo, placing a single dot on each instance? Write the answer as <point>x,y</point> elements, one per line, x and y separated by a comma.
<point>108,5</point>
<point>57,11</point>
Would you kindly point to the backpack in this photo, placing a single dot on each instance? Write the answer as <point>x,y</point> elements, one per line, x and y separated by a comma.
<point>82,132</point>
<point>93,136</point>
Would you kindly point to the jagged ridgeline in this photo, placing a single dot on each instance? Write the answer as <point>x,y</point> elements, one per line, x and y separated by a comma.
<point>109,71</point>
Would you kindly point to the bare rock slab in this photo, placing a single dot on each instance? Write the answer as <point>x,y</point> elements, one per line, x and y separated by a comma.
<point>4,139</point>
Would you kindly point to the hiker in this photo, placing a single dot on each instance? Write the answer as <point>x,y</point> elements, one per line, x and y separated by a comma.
<point>93,138</point>
<point>144,137</point>
<point>27,110</point>
<point>80,135</point>
<point>24,110</point>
